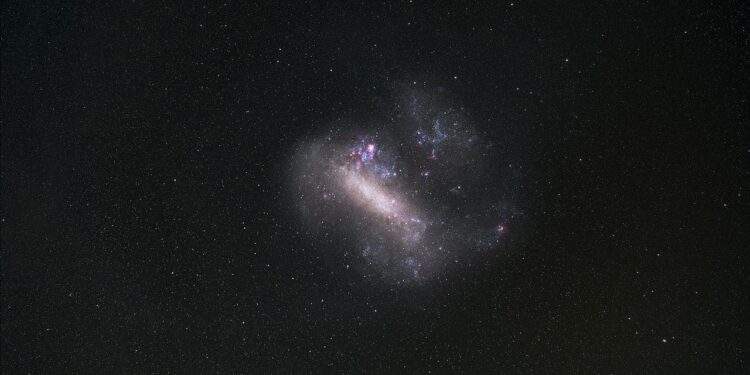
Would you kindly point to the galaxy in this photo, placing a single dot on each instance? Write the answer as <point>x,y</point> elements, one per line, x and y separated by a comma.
<point>411,195</point>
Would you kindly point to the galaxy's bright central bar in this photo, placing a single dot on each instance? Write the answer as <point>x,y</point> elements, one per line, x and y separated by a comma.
<point>371,195</point>
<point>376,199</point>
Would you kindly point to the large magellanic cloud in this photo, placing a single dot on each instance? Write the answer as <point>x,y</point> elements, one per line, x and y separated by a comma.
<point>408,196</point>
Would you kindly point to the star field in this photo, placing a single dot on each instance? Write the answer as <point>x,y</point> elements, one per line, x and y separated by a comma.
<point>381,187</point>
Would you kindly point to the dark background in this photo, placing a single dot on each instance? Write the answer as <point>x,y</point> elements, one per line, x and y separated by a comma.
<point>145,225</point>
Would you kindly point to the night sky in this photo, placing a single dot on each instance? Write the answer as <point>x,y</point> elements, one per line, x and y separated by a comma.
<point>386,187</point>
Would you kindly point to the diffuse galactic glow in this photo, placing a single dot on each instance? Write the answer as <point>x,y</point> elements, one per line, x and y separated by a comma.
<point>408,197</point>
